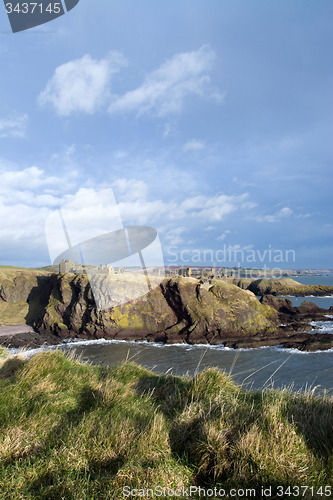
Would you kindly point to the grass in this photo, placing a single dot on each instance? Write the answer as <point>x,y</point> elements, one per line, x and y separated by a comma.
<point>75,431</point>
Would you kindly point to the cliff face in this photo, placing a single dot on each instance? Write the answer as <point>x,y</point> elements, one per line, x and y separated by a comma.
<point>21,294</point>
<point>179,310</point>
<point>61,306</point>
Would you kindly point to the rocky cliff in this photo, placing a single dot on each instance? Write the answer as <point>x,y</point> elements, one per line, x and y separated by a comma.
<point>179,310</point>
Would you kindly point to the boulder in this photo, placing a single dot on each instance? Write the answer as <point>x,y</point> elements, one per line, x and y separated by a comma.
<point>279,304</point>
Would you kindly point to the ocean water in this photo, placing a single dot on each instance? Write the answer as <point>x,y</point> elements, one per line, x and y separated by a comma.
<point>253,368</point>
<point>326,280</point>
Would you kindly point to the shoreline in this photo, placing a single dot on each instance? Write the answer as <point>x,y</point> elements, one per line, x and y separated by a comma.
<point>24,336</point>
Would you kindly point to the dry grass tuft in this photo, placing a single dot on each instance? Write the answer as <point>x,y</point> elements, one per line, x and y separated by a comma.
<point>71,430</point>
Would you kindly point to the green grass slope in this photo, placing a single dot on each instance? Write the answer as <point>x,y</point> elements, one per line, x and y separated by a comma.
<point>74,431</point>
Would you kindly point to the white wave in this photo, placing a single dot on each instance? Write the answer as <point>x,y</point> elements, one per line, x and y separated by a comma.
<point>322,327</point>
<point>305,296</point>
<point>293,350</point>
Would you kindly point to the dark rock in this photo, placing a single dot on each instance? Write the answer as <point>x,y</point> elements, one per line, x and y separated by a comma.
<point>307,307</point>
<point>314,342</point>
<point>279,304</point>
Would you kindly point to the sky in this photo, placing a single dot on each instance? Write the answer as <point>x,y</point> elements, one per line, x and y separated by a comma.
<point>211,120</point>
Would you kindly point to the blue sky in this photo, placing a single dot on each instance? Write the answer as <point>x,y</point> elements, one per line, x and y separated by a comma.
<point>211,121</point>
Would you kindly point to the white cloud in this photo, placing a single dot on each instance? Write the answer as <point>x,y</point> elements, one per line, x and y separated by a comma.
<point>26,198</point>
<point>29,195</point>
<point>70,152</point>
<point>136,209</point>
<point>81,84</point>
<point>144,212</point>
<point>213,208</point>
<point>120,154</point>
<point>221,238</point>
<point>248,205</point>
<point>210,228</point>
<point>22,181</point>
<point>303,216</point>
<point>284,212</point>
<point>164,90</point>
<point>174,235</point>
<point>193,145</point>
<point>131,190</point>
<point>14,126</point>
<point>167,129</point>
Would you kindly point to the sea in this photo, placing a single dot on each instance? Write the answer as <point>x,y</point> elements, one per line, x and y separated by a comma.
<point>257,369</point>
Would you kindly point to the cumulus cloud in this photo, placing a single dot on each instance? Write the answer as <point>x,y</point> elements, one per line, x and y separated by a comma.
<point>81,84</point>
<point>14,126</point>
<point>164,90</point>
<point>193,145</point>
<point>24,181</point>
<point>28,196</point>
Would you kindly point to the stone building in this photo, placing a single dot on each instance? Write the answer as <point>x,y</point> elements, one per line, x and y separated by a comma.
<point>68,266</point>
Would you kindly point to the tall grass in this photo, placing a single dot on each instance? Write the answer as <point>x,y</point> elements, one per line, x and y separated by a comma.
<point>75,431</point>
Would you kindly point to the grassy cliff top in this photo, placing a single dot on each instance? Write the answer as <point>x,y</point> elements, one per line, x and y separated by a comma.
<point>10,272</point>
<point>72,430</point>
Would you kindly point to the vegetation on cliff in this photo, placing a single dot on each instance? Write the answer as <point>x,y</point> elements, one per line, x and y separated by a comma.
<point>71,430</point>
<point>283,286</point>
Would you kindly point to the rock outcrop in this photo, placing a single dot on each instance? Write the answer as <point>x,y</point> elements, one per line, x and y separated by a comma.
<point>296,322</point>
<point>179,310</point>
<point>282,286</point>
